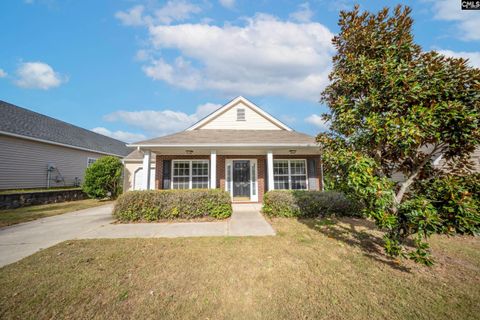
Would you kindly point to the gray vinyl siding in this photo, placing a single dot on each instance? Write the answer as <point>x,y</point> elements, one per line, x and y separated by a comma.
<point>474,158</point>
<point>23,163</point>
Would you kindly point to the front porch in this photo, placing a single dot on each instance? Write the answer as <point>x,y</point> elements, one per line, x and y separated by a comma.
<point>245,173</point>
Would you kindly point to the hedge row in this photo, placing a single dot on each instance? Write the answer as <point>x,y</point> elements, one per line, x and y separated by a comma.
<point>308,204</point>
<point>156,205</point>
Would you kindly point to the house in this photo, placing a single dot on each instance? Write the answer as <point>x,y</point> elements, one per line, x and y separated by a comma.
<point>133,172</point>
<point>37,151</point>
<point>239,148</point>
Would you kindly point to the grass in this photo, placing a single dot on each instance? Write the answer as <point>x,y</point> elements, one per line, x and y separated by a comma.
<point>312,269</point>
<point>51,189</point>
<point>13,216</point>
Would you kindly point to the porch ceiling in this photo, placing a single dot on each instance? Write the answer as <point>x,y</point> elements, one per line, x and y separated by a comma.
<point>235,150</point>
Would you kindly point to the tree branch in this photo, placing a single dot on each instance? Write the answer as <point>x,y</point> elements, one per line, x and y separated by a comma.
<point>414,174</point>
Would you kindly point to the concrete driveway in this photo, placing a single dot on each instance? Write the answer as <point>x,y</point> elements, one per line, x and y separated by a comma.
<point>22,240</point>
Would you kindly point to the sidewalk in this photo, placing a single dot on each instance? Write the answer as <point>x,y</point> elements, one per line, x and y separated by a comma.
<point>246,220</point>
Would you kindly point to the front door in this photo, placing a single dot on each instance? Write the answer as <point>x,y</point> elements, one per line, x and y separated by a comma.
<point>241,179</point>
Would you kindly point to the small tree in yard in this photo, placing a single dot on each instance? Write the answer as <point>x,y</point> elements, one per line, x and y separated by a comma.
<point>103,178</point>
<point>394,109</point>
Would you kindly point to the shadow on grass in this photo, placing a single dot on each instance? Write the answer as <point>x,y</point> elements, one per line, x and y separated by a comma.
<point>355,232</point>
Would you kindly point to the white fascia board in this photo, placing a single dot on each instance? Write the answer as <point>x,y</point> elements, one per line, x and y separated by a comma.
<point>232,103</point>
<point>223,145</point>
<point>57,143</point>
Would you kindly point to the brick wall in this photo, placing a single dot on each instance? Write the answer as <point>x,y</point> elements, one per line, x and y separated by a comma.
<point>221,161</point>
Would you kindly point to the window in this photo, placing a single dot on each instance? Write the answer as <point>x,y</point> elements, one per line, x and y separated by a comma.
<point>91,161</point>
<point>190,174</point>
<point>290,174</point>
<point>240,114</point>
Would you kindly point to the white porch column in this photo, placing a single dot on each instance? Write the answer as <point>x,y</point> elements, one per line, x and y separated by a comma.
<point>322,187</point>
<point>146,169</point>
<point>270,170</point>
<point>213,169</point>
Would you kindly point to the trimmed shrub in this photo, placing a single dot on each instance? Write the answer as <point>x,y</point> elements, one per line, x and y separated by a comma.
<point>104,178</point>
<point>154,205</point>
<point>308,204</point>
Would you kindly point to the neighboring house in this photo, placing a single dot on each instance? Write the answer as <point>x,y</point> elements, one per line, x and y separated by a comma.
<point>238,148</point>
<point>438,162</point>
<point>37,151</point>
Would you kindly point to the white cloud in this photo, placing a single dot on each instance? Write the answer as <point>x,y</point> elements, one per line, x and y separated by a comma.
<point>467,22</point>
<point>38,75</point>
<point>303,14</point>
<point>227,3</point>
<point>265,56</point>
<point>172,11</point>
<point>176,11</point>
<point>120,135</point>
<point>142,55</point>
<point>132,17</point>
<point>317,121</point>
<point>163,122</point>
<point>473,57</point>
<point>3,74</point>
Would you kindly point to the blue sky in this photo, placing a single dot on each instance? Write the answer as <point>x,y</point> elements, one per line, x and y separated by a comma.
<point>138,69</point>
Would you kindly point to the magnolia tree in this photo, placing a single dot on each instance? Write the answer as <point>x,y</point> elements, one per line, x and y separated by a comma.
<point>394,109</point>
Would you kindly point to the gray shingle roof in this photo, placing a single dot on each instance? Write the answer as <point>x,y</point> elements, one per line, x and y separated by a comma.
<point>225,136</point>
<point>20,121</point>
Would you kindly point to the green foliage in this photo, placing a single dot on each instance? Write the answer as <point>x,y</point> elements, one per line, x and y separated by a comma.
<point>308,204</point>
<point>457,201</point>
<point>357,179</point>
<point>103,178</point>
<point>393,108</point>
<point>154,205</point>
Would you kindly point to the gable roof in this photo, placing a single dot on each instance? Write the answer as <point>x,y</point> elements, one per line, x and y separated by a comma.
<point>137,156</point>
<point>23,123</point>
<point>233,103</point>
<point>231,138</point>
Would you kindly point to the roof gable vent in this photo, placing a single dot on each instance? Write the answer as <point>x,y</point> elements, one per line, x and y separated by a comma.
<point>240,114</point>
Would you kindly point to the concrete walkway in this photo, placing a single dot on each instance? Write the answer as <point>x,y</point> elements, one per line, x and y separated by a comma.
<point>246,220</point>
<point>22,240</point>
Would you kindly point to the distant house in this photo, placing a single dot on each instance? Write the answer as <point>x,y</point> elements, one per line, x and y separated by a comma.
<point>238,148</point>
<point>37,151</point>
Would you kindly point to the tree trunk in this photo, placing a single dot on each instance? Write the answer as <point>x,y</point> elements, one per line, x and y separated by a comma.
<point>411,179</point>
<point>404,188</point>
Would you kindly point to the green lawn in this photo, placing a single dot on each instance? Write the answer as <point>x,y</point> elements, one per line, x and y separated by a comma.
<point>24,214</point>
<point>311,269</point>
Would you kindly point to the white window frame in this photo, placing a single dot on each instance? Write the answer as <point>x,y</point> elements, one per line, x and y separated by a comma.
<point>290,174</point>
<point>88,161</point>
<point>190,172</point>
